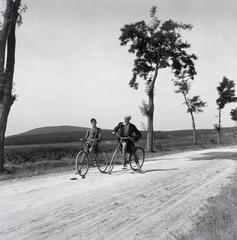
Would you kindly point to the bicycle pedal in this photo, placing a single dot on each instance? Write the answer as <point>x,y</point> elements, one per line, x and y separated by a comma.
<point>73,178</point>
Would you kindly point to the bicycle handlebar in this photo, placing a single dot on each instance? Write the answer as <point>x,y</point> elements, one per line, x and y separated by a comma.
<point>123,138</point>
<point>84,141</point>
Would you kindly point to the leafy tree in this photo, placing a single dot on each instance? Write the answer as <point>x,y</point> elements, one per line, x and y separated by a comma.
<point>233,114</point>
<point>156,45</point>
<point>194,104</point>
<point>11,17</point>
<point>226,94</point>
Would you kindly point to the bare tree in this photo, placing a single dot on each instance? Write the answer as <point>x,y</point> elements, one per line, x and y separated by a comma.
<point>11,17</point>
<point>156,45</point>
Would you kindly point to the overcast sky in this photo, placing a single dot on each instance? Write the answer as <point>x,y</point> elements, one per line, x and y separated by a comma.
<point>70,66</point>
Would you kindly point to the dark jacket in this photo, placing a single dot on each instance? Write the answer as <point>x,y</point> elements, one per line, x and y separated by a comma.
<point>132,132</point>
<point>96,134</point>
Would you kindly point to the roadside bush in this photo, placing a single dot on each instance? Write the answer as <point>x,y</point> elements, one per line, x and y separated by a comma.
<point>213,141</point>
<point>23,155</point>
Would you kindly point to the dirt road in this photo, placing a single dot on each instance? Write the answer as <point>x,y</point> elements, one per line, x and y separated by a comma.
<point>123,205</point>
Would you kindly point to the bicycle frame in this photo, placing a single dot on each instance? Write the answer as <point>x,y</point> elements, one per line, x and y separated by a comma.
<point>111,164</point>
<point>86,144</point>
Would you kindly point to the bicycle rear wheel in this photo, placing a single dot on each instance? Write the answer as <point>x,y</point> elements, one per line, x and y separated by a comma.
<point>141,157</point>
<point>82,163</point>
<point>102,161</point>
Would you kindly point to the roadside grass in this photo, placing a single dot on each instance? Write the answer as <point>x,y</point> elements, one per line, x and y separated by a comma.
<point>37,168</point>
<point>218,219</point>
<point>37,159</point>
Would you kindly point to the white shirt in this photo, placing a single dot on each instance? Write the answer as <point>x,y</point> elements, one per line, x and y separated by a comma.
<point>126,129</point>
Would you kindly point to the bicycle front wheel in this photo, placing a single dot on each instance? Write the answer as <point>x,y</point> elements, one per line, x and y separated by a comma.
<point>82,163</point>
<point>141,157</point>
<point>102,161</point>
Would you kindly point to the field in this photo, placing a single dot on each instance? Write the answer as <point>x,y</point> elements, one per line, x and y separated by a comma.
<point>68,134</point>
<point>43,150</point>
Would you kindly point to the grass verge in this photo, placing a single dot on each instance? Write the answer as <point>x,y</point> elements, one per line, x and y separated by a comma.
<point>218,219</point>
<point>30,160</point>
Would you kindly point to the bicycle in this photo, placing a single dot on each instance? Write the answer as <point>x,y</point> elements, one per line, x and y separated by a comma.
<point>140,153</point>
<point>84,157</point>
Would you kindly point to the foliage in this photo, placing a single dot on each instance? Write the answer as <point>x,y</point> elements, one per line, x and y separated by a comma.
<point>194,104</point>
<point>226,92</point>
<point>183,86</point>
<point>22,9</point>
<point>233,114</point>
<point>144,108</point>
<point>156,45</point>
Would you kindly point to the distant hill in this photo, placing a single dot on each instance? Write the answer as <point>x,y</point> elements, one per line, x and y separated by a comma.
<point>52,134</point>
<point>63,134</point>
<point>53,129</point>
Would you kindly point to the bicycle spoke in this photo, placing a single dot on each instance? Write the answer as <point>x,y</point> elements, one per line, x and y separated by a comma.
<point>102,161</point>
<point>141,156</point>
<point>82,164</point>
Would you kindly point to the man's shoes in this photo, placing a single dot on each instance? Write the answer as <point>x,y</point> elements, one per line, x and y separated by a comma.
<point>124,167</point>
<point>139,170</point>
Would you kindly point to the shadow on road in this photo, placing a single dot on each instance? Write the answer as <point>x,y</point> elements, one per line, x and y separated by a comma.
<point>215,156</point>
<point>146,171</point>
<point>158,158</point>
<point>160,170</point>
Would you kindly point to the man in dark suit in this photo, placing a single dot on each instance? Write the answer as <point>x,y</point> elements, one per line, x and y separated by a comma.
<point>128,130</point>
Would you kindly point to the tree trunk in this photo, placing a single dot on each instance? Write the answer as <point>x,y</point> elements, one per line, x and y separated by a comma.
<point>235,132</point>
<point>5,106</point>
<point>150,130</point>
<point>192,117</point>
<point>219,128</point>
<point>194,129</point>
<point>7,64</point>
<point>150,113</point>
<point>219,136</point>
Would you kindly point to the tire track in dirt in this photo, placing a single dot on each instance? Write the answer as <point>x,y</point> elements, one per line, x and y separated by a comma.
<point>121,206</point>
<point>129,224</point>
<point>87,225</point>
<point>150,219</point>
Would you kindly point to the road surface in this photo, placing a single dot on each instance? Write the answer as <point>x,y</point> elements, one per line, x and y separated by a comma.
<point>124,205</point>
